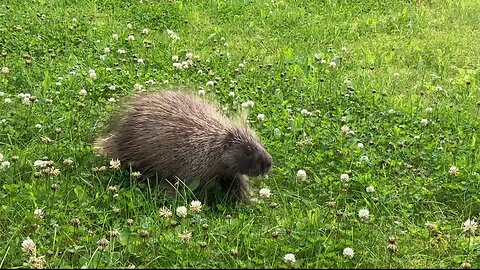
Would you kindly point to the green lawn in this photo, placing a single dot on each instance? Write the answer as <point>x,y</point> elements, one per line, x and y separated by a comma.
<point>386,92</point>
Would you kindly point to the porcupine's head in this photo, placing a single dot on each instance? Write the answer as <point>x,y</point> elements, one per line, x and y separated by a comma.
<point>244,153</point>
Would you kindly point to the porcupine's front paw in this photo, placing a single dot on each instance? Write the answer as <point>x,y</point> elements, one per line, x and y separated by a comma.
<point>240,190</point>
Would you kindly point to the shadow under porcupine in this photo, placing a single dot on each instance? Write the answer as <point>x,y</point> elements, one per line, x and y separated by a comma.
<point>173,136</point>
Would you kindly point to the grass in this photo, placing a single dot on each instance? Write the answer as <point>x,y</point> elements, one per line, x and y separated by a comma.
<point>393,60</point>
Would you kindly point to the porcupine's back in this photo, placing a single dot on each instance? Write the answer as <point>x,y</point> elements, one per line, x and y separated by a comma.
<point>170,134</point>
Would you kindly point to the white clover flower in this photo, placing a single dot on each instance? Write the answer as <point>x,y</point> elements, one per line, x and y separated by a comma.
<point>196,206</point>
<point>82,92</point>
<point>92,74</point>
<point>151,82</point>
<point>121,51</point>
<point>453,170</point>
<point>345,129</point>
<point>7,100</point>
<point>241,65</point>
<point>106,50</point>
<point>40,163</point>
<point>424,122</point>
<point>26,101</point>
<point>54,171</point>
<point>172,35</point>
<point>181,211</point>
<point>210,83</point>
<point>360,145</point>
<point>248,104</point>
<point>189,55</point>
<point>58,83</point>
<point>39,214</point>
<point>396,74</point>
<point>136,174</point>
<point>301,175</point>
<point>201,92</point>
<point>145,31</point>
<point>165,212</point>
<point>68,161</point>
<point>129,26</point>
<point>5,70</point>
<point>5,164</point>
<point>103,243</point>
<point>177,65</point>
<point>232,94</point>
<point>364,158</point>
<point>115,36</point>
<point>137,87</point>
<point>39,126</point>
<point>140,60</point>
<point>364,214</point>
<point>370,189</point>
<point>348,252</point>
<point>185,236</point>
<point>185,64</point>
<point>165,82</point>
<point>28,246</point>
<point>416,137</point>
<point>304,112</point>
<point>131,38</point>
<point>112,87</point>
<point>470,226</point>
<point>175,58</point>
<point>428,110</point>
<point>36,262</point>
<point>265,192</point>
<point>344,177</point>
<point>332,64</point>
<point>115,164</point>
<point>289,258</point>
<point>112,100</point>
<point>261,116</point>
<point>323,61</point>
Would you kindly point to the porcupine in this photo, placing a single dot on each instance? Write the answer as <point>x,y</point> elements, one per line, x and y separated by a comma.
<point>173,135</point>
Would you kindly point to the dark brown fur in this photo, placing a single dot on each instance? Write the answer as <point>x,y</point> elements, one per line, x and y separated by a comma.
<point>173,135</point>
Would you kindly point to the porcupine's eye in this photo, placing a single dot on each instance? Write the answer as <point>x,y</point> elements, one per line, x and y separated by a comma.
<point>248,151</point>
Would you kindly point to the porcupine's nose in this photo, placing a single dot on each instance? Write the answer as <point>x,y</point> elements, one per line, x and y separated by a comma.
<point>266,163</point>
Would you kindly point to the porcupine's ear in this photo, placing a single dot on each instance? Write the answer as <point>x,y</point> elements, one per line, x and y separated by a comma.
<point>228,140</point>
